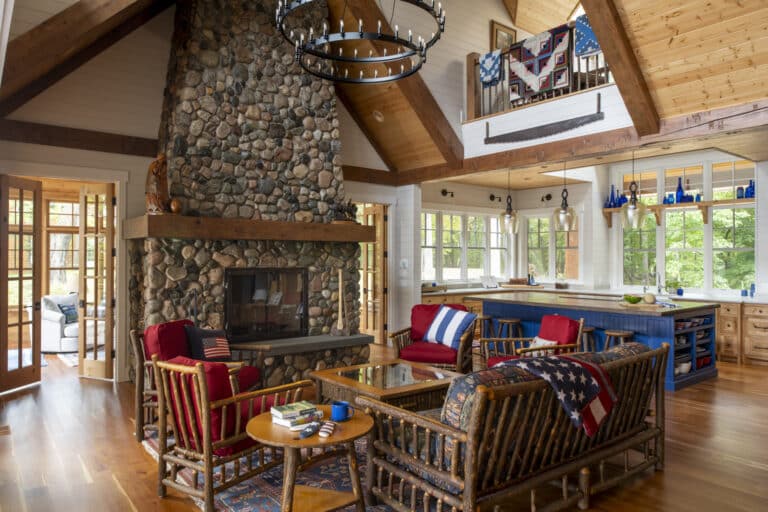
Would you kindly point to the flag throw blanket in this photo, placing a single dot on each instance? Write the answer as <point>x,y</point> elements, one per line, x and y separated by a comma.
<point>540,63</point>
<point>490,68</point>
<point>586,41</point>
<point>583,388</point>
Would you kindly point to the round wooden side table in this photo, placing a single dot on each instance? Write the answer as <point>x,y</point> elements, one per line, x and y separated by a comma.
<point>298,498</point>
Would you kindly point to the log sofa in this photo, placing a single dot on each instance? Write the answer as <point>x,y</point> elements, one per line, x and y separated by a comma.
<point>499,437</point>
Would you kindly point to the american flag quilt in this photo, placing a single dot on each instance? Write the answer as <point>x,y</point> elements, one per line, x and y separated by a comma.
<point>583,389</point>
<point>540,63</point>
<point>586,41</point>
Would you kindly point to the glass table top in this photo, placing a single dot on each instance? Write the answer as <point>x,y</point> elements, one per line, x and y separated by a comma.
<point>391,375</point>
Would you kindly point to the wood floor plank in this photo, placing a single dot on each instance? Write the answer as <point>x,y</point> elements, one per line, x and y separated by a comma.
<point>71,447</point>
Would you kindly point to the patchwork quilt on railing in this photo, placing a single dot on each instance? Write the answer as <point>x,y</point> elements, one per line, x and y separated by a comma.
<point>540,63</point>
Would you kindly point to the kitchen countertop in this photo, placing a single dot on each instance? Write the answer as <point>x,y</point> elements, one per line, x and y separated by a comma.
<point>547,288</point>
<point>593,302</point>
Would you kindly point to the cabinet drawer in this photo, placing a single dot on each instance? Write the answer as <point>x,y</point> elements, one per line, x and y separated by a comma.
<point>432,300</point>
<point>756,327</point>
<point>756,347</point>
<point>728,345</point>
<point>728,325</point>
<point>756,310</point>
<point>729,309</point>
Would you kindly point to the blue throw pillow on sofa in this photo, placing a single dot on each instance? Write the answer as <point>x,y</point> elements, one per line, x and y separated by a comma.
<point>69,312</point>
<point>448,326</point>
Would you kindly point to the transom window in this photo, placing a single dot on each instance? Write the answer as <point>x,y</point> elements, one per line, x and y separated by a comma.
<point>461,247</point>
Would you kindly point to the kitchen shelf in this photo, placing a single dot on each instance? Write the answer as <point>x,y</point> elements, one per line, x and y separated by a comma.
<point>703,207</point>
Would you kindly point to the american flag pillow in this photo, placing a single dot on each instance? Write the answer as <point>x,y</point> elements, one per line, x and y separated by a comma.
<point>216,348</point>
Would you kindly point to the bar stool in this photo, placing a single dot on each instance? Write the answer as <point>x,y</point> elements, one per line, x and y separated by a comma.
<point>616,338</point>
<point>484,327</point>
<point>512,325</point>
<point>588,343</point>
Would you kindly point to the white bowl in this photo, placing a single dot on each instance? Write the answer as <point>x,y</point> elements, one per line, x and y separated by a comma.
<point>685,367</point>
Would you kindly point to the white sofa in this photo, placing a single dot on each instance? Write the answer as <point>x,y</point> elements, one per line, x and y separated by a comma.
<point>57,335</point>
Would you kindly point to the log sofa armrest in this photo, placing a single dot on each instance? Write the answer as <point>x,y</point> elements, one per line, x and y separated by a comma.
<point>405,441</point>
<point>464,353</point>
<point>401,339</point>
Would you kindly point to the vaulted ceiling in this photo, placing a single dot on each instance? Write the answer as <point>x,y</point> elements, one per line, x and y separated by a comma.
<point>536,16</point>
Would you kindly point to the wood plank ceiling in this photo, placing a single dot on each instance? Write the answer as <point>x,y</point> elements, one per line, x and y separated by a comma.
<point>536,16</point>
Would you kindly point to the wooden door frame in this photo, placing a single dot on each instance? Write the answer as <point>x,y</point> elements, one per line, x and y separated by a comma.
<point>22,376</point>
<point>380,212</point>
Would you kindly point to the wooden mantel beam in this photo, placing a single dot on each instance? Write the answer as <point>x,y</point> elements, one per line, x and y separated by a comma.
<point>50,51</point>
<point>619,54</point>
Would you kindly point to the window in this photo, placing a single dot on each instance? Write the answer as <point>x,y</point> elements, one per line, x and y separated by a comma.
<point>640,253</point>
<point>538,247</point>
<point>733,248</point>
<point>429,247</point>
<point>462,247</point>
<point>63,214</point>
<point>62,263</point>
<point>567,255</point>
<point>451,253</point>
<point>684,238</point>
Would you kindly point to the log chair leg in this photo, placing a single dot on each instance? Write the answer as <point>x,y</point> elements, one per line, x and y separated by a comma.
<point>370,499</point>
<point>290,462</point>
<point>354,475</point>
<point>584,488</point>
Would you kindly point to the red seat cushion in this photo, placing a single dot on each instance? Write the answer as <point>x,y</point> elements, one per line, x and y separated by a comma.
<point>167,340</point>
<point>423,352</point>
<point>422,316</point>
<point>493,361</point>
<point>561,329</point>
<point>248,378</point>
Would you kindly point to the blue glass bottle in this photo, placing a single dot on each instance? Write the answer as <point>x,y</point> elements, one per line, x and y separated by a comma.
<point>750,192</point>
<point>679,192</point>
<point>739,192</point>
<point>612,201</point>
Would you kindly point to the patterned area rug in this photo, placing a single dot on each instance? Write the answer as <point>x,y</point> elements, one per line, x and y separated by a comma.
<point>262,493</point>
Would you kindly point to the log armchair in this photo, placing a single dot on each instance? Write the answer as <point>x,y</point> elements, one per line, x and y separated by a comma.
<point>168,340</point>
<point>410,344</point>
<point>565,331</point>
<point>208,421</point>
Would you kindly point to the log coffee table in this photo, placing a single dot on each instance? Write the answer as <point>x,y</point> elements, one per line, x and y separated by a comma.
<point>412,386</point>
<point>300,498</point>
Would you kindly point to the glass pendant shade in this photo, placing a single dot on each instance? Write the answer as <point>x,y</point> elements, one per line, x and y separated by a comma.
<point>508,218</point>
<point>633,212</point>
<point>564,219</point>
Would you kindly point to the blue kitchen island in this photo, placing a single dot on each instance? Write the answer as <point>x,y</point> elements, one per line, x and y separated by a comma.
<point>689,328</point>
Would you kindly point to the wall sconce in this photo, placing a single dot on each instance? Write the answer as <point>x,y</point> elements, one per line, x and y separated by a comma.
<point>546,197</point>
<point>495,198</point>
<point>445,192</point>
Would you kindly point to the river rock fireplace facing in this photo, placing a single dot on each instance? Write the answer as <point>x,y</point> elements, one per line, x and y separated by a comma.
<point>265,303</point>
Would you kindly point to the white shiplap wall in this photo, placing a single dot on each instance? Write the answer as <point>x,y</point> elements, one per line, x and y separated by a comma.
<point>118,91</point>
<point>30,13</point>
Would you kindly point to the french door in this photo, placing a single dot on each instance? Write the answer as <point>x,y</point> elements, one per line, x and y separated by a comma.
<point>373,273</point>
<point>20,259</point>
<point>97,281</point>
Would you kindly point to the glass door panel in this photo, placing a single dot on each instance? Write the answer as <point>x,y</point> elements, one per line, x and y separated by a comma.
<point>96,305</point>
<point>21,214</point>
<point>373,273</point>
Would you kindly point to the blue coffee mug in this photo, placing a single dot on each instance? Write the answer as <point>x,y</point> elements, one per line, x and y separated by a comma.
<point>341,411</point>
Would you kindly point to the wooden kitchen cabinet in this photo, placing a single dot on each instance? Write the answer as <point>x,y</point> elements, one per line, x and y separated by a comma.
<point>754,328</point>
<point>728,337</point>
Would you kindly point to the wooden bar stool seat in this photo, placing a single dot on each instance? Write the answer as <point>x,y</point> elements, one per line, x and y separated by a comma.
<point>510,328</point>
<point>485,328</point>
<point>588,343</point>
<point>616,338</point>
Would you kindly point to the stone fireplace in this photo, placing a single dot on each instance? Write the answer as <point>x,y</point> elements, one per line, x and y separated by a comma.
<point>247,135</point>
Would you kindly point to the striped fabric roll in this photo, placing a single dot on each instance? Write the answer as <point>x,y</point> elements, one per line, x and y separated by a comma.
<point>216,348</point>
<point>448,326</point>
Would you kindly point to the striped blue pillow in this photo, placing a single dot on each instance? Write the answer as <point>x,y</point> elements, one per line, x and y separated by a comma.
<point>448,326</point>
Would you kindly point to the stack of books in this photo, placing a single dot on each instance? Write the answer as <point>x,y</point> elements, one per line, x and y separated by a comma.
<point>295,416</point>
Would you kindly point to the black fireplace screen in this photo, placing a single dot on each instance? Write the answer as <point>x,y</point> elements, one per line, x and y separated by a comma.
<point>265,303</point>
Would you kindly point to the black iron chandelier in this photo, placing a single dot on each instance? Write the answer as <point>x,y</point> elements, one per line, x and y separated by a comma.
<point>360,56</point>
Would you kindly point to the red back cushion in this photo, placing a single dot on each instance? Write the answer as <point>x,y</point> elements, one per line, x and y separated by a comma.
<point>559,328</point>
<point>217,379</point>
<point>167,340</point>
<point>422,316</point>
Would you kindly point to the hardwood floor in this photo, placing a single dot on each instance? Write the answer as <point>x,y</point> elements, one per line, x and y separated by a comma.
<point>67,445</point>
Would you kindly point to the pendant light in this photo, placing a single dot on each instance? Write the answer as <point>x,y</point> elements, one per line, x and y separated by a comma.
<point>508,218</point>
<point>564,217</point>
<point>633,212</point>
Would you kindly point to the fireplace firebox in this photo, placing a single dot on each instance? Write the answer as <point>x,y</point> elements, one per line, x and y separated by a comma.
<point>265,303</point>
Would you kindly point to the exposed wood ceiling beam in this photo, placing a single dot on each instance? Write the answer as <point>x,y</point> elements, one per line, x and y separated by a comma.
<point>701,130</point>
<point>511,6</point>
<point>420,100</point>
<point>365,175</point>
<point>619,54</point>
<point>50,51</point>
<point>48,135</point>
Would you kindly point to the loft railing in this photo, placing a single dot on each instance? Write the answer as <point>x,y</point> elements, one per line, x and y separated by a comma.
<point>585,73</point>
